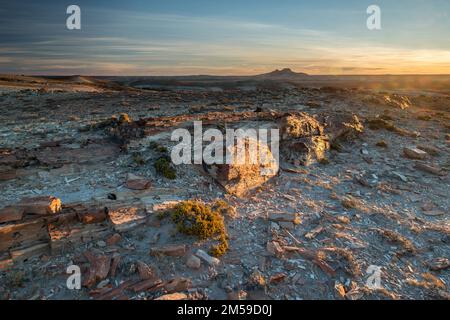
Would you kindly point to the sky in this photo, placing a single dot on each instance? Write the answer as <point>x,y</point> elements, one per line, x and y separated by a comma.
<point>232,37</point>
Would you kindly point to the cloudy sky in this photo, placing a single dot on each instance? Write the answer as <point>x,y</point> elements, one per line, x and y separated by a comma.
<point>172,37</point>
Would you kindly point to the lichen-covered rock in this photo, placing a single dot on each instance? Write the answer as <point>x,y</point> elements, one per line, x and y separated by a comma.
<point>245,173</point>
<point>300,126</point>
<point>342,127</point>
<point>303,140</point>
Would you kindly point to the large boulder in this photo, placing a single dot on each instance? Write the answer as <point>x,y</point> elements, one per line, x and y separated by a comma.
<point>245,174</point>
<point>303,141</point>
<point>342,127</point>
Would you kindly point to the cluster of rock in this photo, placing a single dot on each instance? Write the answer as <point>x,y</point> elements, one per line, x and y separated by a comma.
<point>42,225</point>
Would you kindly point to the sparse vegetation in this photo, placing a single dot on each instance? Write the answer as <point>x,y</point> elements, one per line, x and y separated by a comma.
<point>157,147</point>
<point>138,158</point>
<point>165,168</point>
<point>16,279</point>
<point>198,219</point>
<point>225,209</point>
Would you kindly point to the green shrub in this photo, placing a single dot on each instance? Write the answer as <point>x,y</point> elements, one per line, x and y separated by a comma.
<point>165,168</point>
<point>197,219</point>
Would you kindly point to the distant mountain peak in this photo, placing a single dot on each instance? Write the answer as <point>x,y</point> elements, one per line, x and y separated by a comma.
<point>283,73</point>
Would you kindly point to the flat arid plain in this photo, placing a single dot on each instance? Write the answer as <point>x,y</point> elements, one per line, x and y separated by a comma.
<point>358,208</point>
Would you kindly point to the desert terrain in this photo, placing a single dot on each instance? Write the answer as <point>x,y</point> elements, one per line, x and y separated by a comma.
<point>86,180</point>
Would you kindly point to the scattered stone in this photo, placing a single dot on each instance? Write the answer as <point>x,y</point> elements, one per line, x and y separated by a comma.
<point>145,271</point>
<point>314,233</point>
<point>173,296</point>
<point>169,250</point>
<point>430,169</point>
<point>178,284</point>
<point>101,243</point>
<point>237,295</point>
<point>193,262</point>
<point>137,183</point>
<point>414,153</point>
<point>340,290</point>
<point>431,150</point>
<point>382,144</point>
<point>400,176</point>
<point>256,280</point>
<point>439,263</point>
<point>274,248</point>
<point>285,217</point>
<point>277,278</point>
<point>114,239</point>
<point>212,261</point>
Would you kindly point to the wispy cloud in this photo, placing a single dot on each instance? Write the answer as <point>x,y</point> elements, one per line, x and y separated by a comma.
<point>131,42</point>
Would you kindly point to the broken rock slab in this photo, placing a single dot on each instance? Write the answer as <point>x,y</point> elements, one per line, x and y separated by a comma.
<point>173,296</point>
<point>45,205</point>
<point>99,266</point>
<point>212,261</point>
<point>414,153</point>
<point>145,271</point>
<point>11,213</point>
<point>23,234</point>
<point>137,183</point>
<point>91,214</point>
<point>22,254</point>
<point>169,250</point>
<point>127,218</point>
<point>285,217</point>
<point>66,236</point>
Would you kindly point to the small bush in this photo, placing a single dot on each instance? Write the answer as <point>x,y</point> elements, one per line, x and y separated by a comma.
<point>224,209</point>
<point>164,167</point>
<point>159,148</point>
<point>138,159</point>
<point>197,219</point>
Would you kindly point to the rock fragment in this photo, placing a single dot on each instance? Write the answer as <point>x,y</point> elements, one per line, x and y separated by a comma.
<point>193,262</point>
<point>212,261</point>
<point>169,250</point>
<point>45,205</point>
<point>11,213</point>
<point>414,153</point>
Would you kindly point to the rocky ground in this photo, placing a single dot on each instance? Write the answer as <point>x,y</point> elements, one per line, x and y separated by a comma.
<point>379,197</point>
